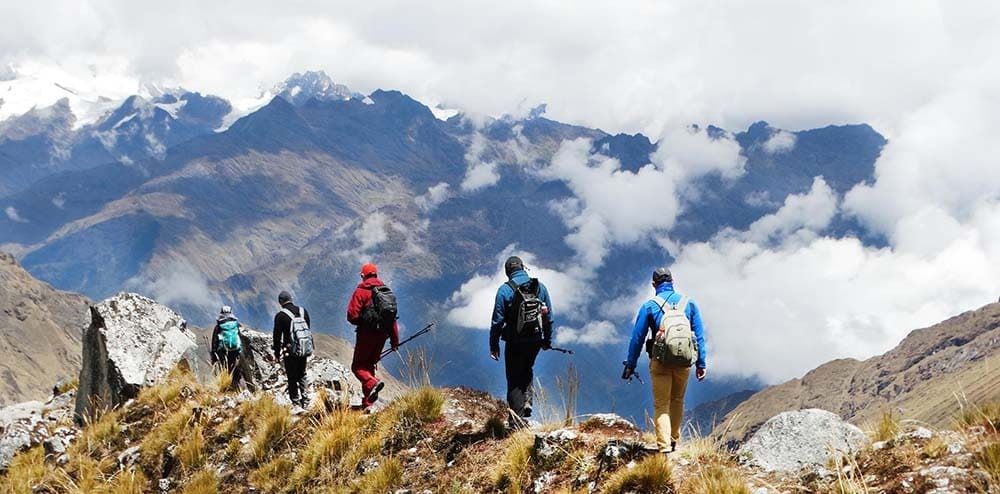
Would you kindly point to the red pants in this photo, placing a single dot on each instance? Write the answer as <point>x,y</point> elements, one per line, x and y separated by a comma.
<point>367,350</point>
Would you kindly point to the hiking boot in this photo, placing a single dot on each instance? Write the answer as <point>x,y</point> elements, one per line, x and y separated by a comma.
<point>673,446</point>
<point>373,396</point>
<point>526,411</point>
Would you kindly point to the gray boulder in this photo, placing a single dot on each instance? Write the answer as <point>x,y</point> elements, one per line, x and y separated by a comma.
<point>132,342</point>
<point>31,423</point>
<point>803,439</point>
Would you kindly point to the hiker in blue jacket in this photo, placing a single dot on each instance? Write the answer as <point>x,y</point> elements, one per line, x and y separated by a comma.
<point>227,345</point>
<point>522,317</point>
<point>669,380</point>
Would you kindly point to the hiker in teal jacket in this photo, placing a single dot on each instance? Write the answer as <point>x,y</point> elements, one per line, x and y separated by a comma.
<point>669,381</point>
<point>227,344</point>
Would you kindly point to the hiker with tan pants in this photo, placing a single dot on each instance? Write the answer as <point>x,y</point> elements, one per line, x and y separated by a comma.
<point>676,342</point>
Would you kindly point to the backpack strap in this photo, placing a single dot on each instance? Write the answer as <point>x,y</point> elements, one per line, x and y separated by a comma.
<point>513,286</point>
<point>289,313</point>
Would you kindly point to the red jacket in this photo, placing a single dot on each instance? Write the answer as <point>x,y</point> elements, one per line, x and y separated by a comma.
<point>363,298</point>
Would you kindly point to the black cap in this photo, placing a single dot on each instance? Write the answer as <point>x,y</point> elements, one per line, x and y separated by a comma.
<point>662,275</point>
<point>284,297</point>
<point>513,263</point>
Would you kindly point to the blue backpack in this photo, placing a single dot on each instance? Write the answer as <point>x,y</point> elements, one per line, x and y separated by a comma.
<point>229,336</point>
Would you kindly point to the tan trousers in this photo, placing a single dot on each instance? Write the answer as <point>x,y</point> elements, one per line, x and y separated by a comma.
<point>669,385</point>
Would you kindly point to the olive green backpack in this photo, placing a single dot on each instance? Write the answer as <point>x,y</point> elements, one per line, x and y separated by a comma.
<point>674,345</point>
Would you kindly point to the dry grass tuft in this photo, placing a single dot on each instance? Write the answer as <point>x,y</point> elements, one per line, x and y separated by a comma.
<point>330,442</point>
<point>422,405</point>
<point>717,478</point>
<point>98,433</point>
<point>569,389</point>
<point>383,478</point>
<point>987,415</point>
<point>167,433</point>
<point>126,482</point>
<point>223,380</point>
<point>273,475</point>
<point>886,429</point>
<point>514,471</point>
<point>270,422</point>
<point>203,482</point>
<point>988,459</point>
<point>191,450</point>
<point>26,472</point>
<point>652,474</point>
<point>179,384</point>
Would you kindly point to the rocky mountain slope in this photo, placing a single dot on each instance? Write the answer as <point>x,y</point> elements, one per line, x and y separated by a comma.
<point>925,378</point>
<point>40,331</point>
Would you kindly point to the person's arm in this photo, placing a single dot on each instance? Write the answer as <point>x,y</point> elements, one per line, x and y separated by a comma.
<point>214,347</point>
<point>354,307</point>
<point>639,331</point>
<point>277,335</point>
<point>394,335</point>
<point>496,325</point>
<point>547,320</point>
<point>699,333</point>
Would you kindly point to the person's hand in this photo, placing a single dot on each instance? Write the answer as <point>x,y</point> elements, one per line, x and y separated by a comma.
<point>395,348</point>
<point>627,373</point>
<point>546,344</point>
<point>495,354</point>
<point>700,373</point>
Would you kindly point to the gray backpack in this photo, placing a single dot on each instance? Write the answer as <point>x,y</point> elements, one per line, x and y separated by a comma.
<point>302,338</point>
<point>674,345</point>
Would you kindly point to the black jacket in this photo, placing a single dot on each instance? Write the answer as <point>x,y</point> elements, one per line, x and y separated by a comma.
<point>282,333</point>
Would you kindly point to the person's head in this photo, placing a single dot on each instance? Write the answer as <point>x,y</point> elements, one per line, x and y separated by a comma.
<point>512,265</point>
<point>369,270</point>
<point>662,275</point>
<point>284,297</point>
<point>226,311</point>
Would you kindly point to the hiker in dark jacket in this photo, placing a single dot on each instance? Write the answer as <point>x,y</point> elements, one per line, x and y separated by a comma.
<point>370,339</point>
<point>520,349</point>
<point>669,381</point>
<point>295,367</point>
<point>227,345</point>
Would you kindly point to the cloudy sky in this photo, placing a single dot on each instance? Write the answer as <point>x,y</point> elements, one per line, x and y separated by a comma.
<point>925,74</point>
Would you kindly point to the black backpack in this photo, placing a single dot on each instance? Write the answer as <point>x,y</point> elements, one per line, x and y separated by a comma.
<point>382,313</point>
<point>526,310</point>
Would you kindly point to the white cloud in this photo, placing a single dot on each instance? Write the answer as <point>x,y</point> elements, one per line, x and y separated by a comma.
<point>372,231</point>
<point>594,333</point>
<point>613,206</point>
<point>781,141</point>
<point>778,312</point>
<point>480,175</point>
<point>807,213</point>
<point>13,215</point>
<point>178,283</point>
<point>615,85</point>
<point>434,196</point>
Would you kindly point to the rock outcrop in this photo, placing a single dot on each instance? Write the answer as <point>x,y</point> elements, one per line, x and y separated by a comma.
<point>792,441</point>
<point>35,422</point>
<point>132,342</point>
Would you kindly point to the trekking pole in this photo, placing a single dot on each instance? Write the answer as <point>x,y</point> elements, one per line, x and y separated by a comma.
<point>561,350</point>
<point>426,330</point>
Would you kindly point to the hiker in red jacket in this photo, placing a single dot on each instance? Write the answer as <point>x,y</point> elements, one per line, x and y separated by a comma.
<point>373,311</point>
